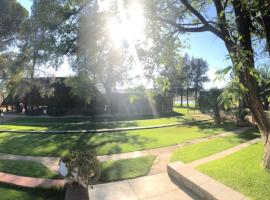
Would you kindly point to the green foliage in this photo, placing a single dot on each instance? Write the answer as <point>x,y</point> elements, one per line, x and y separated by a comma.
<point>12,15</point>
<point>232,94</point>
<point>241,114</point>
<point>83,167</point>
<point>82,86</point>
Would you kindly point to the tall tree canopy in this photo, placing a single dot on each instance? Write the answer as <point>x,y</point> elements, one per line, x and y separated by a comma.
<point>233,22</point>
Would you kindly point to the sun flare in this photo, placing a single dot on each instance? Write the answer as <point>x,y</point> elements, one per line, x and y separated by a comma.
<point>128,25</point>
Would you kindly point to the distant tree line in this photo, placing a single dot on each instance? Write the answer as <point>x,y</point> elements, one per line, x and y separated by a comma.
<point>184,76</point>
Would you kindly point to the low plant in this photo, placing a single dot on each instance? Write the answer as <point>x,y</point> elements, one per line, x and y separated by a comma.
<point>80,167</point>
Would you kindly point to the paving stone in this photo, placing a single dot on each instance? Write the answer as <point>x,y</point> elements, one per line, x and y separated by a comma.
<point>230,194</point>
<point>213,187</point>
<point>113,191</point>
<point>151,186</point>
<point>173,195</point>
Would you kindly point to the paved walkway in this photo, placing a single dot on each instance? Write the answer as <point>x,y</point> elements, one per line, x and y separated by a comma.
<point>109,130</point>
<point>29,182</point>
<point>155,187</point>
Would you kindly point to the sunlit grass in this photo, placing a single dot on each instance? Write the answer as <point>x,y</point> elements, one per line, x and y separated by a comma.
<point>105,143</point>
<point>197,151</point>
<point>86,123</point>
<point>243,172</point>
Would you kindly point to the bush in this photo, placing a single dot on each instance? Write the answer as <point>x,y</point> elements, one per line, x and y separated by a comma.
<point>241,114</point>
<point>80,167</point>
<point>34,112</point>
<point>56,111</point>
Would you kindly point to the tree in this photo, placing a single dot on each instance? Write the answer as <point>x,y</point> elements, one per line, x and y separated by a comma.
<point>232,23</point>
<point>188,76</point>
<point>199,68</point>
<point>12,14</point>
<point>264,85</point>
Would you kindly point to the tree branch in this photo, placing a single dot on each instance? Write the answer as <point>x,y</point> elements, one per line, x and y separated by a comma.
<point>207,25</point>
<point>182,28</point>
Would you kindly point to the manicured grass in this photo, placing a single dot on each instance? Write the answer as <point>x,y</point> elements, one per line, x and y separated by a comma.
<point>242,171</point>
<point>82,123</point>
<point>125,169</point>
<point>9,192</point>
<point>91,125</point>
<point>27,168</point>
<point>197,151</point>
<point>105,143</point>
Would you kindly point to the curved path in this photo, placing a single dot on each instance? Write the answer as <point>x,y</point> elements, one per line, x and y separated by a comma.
<point>105,130</point>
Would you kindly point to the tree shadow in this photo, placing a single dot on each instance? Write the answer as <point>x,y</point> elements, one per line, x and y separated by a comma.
<point>40,144</point>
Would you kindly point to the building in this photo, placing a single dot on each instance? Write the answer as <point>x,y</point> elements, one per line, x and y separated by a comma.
<point>61,102</point>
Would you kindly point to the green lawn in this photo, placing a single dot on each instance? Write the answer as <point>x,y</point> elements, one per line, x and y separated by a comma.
<point>80,123</point>
<point>91,125</point>
<point>9,192</point>
<point>242,171</point>
<point>125,169</point>
<point>27,168</point>
<point>105,143</point>
<point>197,151</point>
<point>110,170</point>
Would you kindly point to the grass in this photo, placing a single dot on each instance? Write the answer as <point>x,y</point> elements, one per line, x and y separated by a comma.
<point>27,168</point>
<point>80,123</point>
<point>197,151</point>
<point>243,172</point>
<point>125,169</point>
<point>9,192</point>
<point>105,143</point>
<point>110,170</point>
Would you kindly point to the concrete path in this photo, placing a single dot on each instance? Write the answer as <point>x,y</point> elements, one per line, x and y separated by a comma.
<point>109,130</point>
<point>156,187</point>
<point>29,182</point>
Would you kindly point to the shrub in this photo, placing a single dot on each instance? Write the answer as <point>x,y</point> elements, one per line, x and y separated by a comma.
<point>82,168</point>
<point>56,111</point>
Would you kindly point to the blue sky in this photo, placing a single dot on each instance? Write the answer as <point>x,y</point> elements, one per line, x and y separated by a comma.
<point>204,45</point>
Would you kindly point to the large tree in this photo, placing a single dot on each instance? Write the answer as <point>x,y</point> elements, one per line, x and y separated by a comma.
<point>232,23</point>
<point>199,67</point>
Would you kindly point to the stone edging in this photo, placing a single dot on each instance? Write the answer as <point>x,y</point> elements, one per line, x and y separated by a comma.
<point>202,185</point>
<point>105,130</point>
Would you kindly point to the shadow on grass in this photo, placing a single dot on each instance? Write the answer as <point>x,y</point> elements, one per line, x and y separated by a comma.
<point>60,144</point>
<point>15,192</point>
<point>58,124</point>
<point>89,119</point>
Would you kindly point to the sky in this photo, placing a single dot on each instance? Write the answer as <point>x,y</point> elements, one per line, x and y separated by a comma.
<point>204,45</point>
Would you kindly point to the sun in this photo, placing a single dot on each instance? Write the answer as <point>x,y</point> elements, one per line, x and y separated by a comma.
<point>128,25</point>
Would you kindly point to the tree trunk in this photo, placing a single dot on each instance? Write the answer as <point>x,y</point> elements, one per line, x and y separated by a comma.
<point>181,94</point>
<point>246,57</point>
<point>187,96</point>
<point>196,97</point>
